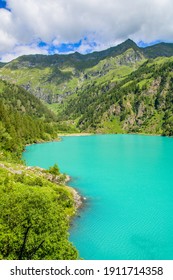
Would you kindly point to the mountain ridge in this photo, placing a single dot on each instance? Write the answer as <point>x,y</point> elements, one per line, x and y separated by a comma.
<point>95,82</point>
<point>108,51</point>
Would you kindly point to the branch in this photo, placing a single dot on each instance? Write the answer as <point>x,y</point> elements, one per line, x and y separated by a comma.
<point>24,243</point>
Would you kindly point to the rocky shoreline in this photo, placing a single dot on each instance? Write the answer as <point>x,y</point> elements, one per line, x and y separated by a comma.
<point>78,199</point>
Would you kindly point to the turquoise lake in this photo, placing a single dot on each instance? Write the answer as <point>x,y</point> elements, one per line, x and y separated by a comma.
<point>128,184</point>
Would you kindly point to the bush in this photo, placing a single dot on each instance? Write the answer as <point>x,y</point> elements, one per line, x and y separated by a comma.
<point>54,170</point>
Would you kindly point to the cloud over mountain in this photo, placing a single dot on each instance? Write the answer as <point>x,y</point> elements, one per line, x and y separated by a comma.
<point>68,21</point>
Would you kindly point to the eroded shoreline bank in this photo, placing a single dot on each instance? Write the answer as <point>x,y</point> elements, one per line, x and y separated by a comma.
<point>77,197</point>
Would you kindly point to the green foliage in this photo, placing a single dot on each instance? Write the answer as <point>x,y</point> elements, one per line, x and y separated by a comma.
<point>25,103</point>
<point>54,170</point>
<point>24,120</point>
<point>34,213</point>
<point>19,129</point>
<point>33,218</point>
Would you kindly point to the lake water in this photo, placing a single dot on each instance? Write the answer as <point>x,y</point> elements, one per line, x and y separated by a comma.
<point>128,183</point>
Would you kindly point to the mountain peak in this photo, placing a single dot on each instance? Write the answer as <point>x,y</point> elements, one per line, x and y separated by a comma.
<point>129,43</point>
<point>119,49</point>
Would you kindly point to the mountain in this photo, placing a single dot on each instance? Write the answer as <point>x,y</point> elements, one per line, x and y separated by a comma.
<point>2,64</point>
<point>122,89</point>
<point>161,49</point>
<point>142,102</point>
<point>53,78</point>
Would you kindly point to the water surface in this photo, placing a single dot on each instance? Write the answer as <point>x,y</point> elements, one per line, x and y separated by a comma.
<point>128,183</point>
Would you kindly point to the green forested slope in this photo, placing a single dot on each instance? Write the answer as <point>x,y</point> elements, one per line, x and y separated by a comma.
<point>35,206</point>
<point>141,102</point>
<point>23,119</point>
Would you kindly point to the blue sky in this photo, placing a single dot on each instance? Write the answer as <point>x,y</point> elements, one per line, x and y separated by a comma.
<point>67,47</point>
<point>2,4</point>
<point>65,26</point>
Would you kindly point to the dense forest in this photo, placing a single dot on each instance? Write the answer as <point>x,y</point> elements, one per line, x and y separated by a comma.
<point>24,119</point>
<point>35,206</point>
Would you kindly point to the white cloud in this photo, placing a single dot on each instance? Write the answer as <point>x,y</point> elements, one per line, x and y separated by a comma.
<point>22,50</point>
<point>7,38</point>
<point>68,21</point>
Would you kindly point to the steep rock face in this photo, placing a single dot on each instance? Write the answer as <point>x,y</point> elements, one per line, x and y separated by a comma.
<point>130,57</point>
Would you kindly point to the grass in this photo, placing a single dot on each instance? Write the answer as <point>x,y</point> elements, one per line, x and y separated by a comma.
<point>145,82</point>
<point>110,126</point>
